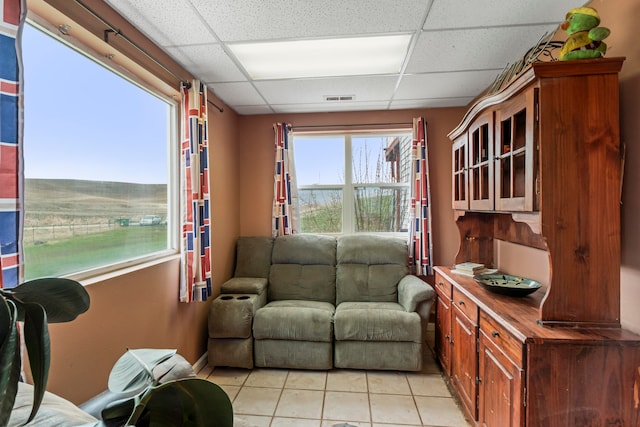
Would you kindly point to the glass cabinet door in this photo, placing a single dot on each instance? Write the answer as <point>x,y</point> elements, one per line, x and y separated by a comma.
<point>460,185</point>
<point>515,159</point>
<point>480,150</point>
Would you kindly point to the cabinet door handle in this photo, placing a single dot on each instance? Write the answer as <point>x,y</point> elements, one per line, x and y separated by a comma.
<point>461,303</point>
<point>495,334</point>
<point>447,337</point>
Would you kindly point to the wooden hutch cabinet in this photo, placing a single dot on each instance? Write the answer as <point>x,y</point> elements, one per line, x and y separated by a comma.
<point>538,164</point>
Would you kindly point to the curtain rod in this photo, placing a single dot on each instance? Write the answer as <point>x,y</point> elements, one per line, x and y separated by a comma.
<point>117,32</point>
<point>349,125</point>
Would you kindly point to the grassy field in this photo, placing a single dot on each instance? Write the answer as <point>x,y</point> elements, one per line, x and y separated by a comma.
<point>70,225</point>
<point>83,252</point>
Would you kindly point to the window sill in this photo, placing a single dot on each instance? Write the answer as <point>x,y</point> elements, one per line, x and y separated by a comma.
<point>96,276</point>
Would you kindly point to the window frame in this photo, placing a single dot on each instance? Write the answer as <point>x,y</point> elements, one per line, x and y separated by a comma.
<point>348,190</point>
<point>82,42</point>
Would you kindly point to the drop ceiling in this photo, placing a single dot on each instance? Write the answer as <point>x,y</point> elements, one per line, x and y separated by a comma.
<point>457,47</point>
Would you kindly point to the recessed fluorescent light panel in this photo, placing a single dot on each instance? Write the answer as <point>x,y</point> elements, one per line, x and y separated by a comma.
<point>323,57</point>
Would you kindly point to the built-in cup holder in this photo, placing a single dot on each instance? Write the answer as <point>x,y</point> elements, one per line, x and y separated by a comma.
<point>244,297</point>
<point>226,297</point>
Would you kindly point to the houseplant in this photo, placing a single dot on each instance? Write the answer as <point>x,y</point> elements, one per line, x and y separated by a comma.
<point>156,401</point>
<point>36,303</point>
<point>187,402</point>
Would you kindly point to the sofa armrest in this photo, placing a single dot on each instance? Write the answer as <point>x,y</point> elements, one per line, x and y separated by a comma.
<point>244,285</point>
<point>412,291</point>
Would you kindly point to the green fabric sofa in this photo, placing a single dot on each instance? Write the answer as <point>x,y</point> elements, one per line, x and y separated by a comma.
<point>344,302</point>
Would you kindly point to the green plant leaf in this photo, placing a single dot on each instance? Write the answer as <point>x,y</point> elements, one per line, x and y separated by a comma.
<point>62,299</point>
<point>9,359</point>
<point>133,372</point>
<point>36,338</point>
<point>190,402</point>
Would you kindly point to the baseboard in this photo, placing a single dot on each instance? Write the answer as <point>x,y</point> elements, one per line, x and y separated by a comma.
<point>201,363</point>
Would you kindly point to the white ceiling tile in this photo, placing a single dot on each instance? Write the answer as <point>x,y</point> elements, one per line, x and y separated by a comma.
<point>464,46</point>
<point>210,63</point>
<point>431,103</point>
<point>329,107</point>
<point>468,49</point>
<point>304,91</point>
<point>444,85</point>
<point>480,13</point>
<point>249,110</point>
<point>236,94</point>
<point>168,23</point>
<point>258,19</point>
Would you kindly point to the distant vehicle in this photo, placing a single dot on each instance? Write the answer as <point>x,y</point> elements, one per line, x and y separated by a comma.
<point>122,222</point>
<point>150,220</point>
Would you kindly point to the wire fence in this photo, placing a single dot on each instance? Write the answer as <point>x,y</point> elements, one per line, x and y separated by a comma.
<point>40,234</point>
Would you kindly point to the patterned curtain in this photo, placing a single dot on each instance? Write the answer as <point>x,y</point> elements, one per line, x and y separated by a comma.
<point>420,245</point>
<point>12,16</point>
<point>285,197</point>
<point>195,281</point>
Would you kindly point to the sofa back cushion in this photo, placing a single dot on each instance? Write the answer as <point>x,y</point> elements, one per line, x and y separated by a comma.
<point>369,268</point>
<point>253,256</point>
<point>303,267</point>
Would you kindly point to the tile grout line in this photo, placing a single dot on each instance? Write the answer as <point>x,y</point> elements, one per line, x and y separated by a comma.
<point>366,380</point>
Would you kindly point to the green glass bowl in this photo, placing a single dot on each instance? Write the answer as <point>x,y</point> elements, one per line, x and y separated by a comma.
<point>506,284</point>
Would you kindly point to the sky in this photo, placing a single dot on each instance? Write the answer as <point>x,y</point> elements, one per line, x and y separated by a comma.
<point>82,121</point>
<point>320,159</point>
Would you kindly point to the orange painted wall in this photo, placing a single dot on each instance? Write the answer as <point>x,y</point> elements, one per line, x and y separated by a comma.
<point>140,308</point>
<point>256,157</point>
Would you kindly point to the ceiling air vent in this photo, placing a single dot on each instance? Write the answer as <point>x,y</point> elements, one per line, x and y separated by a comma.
<point>339,98</point>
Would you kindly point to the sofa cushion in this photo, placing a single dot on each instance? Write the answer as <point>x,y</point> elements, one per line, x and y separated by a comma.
<point>304,249</point>
<point>303,268</point>
<point>361,282</point>
<point>294,320</point>
<point>371,249</point>
<point>253,256</point>
<point>369,268</point>
<point>376,321</point>
<point>302,282</point>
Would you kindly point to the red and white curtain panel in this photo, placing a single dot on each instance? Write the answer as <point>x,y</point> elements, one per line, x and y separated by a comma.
<point>195,281</point>
<point>12,16</point>
<point>420,244</point>
<point>285,201</point>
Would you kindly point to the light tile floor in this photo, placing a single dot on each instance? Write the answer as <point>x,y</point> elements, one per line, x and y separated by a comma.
<point>298,398</point>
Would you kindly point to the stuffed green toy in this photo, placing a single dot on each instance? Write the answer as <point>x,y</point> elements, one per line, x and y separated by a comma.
<point>585,36</point>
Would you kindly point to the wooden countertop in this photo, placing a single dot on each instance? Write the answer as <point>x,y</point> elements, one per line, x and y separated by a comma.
<point>520,315</point>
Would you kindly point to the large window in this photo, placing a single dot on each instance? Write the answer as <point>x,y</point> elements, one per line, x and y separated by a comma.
<point>353,182</point>
<point>96,164</point>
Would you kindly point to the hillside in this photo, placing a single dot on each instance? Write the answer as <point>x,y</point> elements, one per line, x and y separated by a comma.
<point>61,201</point>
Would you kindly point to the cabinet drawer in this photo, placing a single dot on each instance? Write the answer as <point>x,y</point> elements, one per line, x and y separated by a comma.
<point>443,287</point>
<point>465,305</point>
<point>504,340</point>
